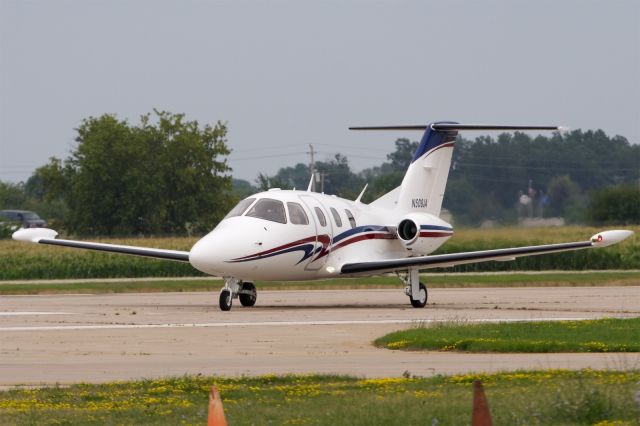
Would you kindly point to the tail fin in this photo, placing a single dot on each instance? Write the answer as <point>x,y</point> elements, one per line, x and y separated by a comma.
<point>422,189</point>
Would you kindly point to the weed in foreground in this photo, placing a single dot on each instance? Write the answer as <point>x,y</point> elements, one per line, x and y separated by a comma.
<point>523,397</point>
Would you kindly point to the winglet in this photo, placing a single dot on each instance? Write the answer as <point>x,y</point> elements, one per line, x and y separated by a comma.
<point>33,235</point>
<point>362,193</point>
<point>607,238</point>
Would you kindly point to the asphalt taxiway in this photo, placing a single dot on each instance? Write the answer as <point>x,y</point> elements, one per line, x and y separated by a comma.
<point>47,339</point>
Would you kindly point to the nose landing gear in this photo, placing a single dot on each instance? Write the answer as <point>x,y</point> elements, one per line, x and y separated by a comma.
<point>235,288</point>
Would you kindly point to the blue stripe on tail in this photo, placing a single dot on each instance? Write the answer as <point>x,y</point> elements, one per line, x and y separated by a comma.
<point>433,138</point>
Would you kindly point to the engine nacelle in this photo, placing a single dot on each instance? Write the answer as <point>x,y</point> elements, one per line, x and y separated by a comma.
<point>423,233</point>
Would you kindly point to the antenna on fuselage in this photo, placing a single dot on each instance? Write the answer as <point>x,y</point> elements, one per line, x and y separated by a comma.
<point>362,193</point>
<point>310,183</point>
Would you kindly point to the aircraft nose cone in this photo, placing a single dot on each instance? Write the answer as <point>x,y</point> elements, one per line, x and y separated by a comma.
<point>203,256</point>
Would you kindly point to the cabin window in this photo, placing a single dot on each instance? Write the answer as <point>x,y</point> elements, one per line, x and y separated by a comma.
<point>321,218</point>
<point>297,216</point>
<point>240,208</point>
<point>268,209</point>
<point>336,217</point>
<point>352,220</point>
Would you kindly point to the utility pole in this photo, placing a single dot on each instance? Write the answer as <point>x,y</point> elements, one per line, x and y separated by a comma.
<point>312,167</point>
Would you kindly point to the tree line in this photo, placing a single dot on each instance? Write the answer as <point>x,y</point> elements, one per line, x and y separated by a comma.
<point>169,175</point>
<point>582,176</point>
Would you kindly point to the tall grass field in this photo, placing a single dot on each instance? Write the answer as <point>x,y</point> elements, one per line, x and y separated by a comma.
<point>31,261</point>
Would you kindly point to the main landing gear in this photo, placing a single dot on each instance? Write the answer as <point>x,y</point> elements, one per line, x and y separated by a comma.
<point>416,291</point>
<point>235,288</point>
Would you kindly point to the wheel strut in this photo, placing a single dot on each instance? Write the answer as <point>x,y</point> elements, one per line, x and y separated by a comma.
<point>416,290</point>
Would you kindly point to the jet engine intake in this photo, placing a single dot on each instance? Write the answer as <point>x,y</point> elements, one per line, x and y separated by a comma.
<point>408,231</point>
<point>422,233</point>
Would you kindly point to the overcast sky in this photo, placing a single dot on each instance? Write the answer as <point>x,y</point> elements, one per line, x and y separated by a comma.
<point>285,74</point>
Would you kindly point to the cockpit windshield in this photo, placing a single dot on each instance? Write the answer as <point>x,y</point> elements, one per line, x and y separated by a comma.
<point>268,209</point>
<point>240,208</point>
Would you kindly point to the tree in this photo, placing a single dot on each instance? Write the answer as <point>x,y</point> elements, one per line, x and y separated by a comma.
<point>335,172</point>
<point>616,205</point>
<point>12,196</point>
<point>388,175</point>
<point>401,157</point>
<point>164,176</point>
<point>242,188</point>
<point>338,177</point>
<point>565,197</point>
<point>291,177</point>
<point>266,183</point>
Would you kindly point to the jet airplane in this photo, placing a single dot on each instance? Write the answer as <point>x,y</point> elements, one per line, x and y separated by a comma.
<point>303,235</point>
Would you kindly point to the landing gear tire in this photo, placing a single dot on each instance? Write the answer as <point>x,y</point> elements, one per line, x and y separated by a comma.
<point>248,295</point>
<point>421,301</point>
<point>225,300</point>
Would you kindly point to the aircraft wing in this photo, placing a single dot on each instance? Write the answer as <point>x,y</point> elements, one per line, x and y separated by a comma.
<point>48,236</point>
<point>602,239</point>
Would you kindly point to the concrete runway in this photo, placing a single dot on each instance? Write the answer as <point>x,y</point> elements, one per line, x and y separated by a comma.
<point>97,338</point>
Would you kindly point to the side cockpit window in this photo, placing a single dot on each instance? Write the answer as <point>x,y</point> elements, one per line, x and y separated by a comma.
<point>268,209</point>
<point>240,208</point>
<point>352,220</point>
<point>297,216</point>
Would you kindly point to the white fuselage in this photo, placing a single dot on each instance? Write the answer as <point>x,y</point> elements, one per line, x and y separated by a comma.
<point>255,248</point>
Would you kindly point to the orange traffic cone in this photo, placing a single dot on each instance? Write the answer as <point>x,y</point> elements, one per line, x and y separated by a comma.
<point>480,415</point>
<point>216,412</point>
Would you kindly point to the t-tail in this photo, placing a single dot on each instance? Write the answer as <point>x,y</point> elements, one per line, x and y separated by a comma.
<point>423,186</point>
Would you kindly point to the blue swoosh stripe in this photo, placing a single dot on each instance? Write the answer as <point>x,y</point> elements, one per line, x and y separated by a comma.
<point>357,230</point>
<point>436,228</point>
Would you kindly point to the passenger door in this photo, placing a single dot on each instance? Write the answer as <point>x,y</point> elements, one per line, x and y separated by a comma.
<point>324,232</point>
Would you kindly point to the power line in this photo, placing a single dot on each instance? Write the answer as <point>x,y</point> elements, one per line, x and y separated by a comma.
<point>501,166</point>
<point>291,154</point>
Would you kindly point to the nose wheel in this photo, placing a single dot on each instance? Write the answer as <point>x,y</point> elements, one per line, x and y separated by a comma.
<point>235,288</point>
<point>226,301</point>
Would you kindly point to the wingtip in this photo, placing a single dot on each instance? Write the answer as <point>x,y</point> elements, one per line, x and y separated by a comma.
<point>33,235</point>
<point>607,238</point>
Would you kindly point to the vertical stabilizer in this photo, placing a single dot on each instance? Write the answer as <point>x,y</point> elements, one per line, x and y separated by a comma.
<point>422,188</point>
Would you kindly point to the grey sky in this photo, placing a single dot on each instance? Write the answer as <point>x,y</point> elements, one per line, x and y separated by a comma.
<point>288,73</point>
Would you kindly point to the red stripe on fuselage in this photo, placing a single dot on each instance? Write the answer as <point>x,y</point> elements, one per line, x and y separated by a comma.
<point>286,246</point>
<point>435,234</point>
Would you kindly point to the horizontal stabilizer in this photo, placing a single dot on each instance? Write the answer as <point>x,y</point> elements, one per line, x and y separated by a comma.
<point>456,126</point>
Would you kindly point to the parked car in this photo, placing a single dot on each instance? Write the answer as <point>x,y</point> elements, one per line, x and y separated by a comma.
<point>25,218</point>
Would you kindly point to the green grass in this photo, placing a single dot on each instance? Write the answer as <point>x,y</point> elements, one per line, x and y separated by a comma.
<point>32,261</point>
<point>433,281</point>
<point>541,397</point>
<point>603,335</point>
